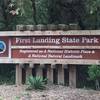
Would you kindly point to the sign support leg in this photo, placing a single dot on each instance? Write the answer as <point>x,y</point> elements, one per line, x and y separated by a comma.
<point>60,75</point>
<point>72,76</point>
<point>50,74</point>
<point>39,71</point>
<point>18,75</point>
<point>28,72</point>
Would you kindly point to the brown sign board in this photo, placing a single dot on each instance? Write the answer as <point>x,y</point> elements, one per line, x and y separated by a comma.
<point>56,54</point>
<point>52,47</point>
<point>60,40</point>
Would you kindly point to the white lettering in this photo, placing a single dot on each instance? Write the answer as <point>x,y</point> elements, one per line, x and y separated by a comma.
<point>46,40</point>
<point>72,56</point>
<point>22,40</point>
<point>70,40</point>
<point>90,40</point>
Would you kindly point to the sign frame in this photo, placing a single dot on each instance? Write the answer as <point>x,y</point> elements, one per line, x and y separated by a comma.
<point>14,34</point>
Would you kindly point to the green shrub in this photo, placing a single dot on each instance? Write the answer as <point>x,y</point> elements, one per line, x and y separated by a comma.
<point>1,98</point>
<point>94,74</point>
<point>36,82</point>
<point>17,98</point>
<point>8,77</point>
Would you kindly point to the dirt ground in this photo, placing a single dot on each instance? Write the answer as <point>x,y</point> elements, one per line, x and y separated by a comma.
<point>53,92</point>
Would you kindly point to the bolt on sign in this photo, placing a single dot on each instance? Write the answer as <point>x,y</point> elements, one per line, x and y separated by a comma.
<point>70,47</point>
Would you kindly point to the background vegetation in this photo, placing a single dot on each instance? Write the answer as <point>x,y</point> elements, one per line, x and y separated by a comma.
<point>86,13</point>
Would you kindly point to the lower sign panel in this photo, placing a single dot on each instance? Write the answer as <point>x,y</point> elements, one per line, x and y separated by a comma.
<point>56,53</point>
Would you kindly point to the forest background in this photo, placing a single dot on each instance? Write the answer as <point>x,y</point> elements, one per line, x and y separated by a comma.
<point>85,13</point>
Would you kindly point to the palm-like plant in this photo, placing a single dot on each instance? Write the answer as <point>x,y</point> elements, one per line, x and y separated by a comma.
<point>36,82</point>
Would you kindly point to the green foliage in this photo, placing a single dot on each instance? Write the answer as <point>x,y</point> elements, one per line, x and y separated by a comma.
<point>20,12</point>
<point>93,5</point>
<point>15,12</point>
<point>2,25</point>
<point>42,11</point>
<point>7,74</point>
<point>36,82</point>
<point>17,98</point>
<point>1,98</point>
<point>49,11</point>
<point>94,72</point>
<point>2,20</point>
<point>93,13</point>
<point>8,15</point>
<point>26,11</point>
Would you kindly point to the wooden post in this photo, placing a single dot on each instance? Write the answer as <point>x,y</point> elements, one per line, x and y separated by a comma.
<point>50,73</point>
<point>39,71</point>
<point>61,75</point>
<point>28,72</point>
<point>18,75</point>
<point>19,66</point>
<point>72,76</point>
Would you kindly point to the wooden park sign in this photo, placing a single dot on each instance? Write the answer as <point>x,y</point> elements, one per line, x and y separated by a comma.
<point>65,47</point>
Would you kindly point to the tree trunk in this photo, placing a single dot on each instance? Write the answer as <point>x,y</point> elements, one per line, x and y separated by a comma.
<point>96,18</point>
<point>34,11</point>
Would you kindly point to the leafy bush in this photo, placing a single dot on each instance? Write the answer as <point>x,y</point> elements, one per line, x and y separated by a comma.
<point>7,74</point>
<point>94,74</point>
<point>36,82</point>
<point>1,98</point>
<point>42,16</point>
